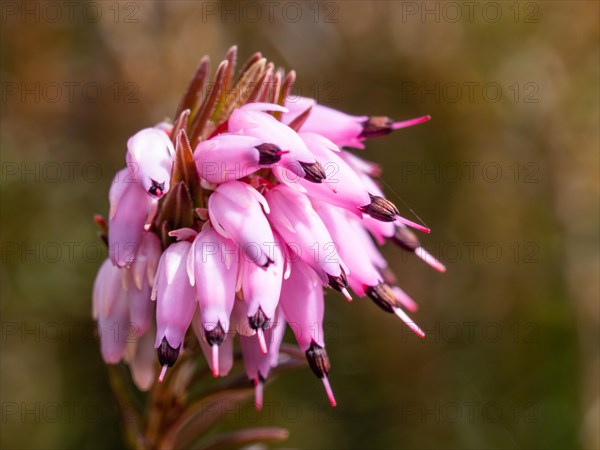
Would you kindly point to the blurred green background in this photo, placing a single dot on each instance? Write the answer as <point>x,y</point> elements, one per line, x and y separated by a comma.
<point>506,175</point>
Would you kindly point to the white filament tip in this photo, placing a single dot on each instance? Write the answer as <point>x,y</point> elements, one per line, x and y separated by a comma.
<point>408,321</point>
<point>429,259</point>
<point>328,390</point>
<point>215,360</point>
<point>163,372</point>
<point>261,340</point>
<point>346,294</point>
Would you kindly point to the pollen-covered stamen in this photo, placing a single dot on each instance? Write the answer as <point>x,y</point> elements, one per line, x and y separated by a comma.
<point>406,239</point>
<point>383,296</point>
<point>157,189</point>
<point>269,154</point>
<point>318,360</point>
<point>381,209</point>
<point>313,172</point>
<point>167,356</point>
<point>376,126</point>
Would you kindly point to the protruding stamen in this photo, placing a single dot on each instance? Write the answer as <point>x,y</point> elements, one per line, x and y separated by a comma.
<point>404,299</point>
<point>430,259</point>
<point>163,372</point>
<point>381,209</point>
<point>258,393</point>
<point>215,360</point>
<point>410,122</point>
<point>268,154</point>
<point>344,291</point>
<point>329,391</point>
<point>313,172</point>
<point>412,224</point>
<point>408,321</point>
<point>261,340</point>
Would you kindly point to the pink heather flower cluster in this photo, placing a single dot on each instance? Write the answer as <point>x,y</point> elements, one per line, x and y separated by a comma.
<point>289,211</point>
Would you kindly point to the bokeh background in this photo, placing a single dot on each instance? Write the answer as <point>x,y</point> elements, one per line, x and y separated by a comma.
<point>506,175</point>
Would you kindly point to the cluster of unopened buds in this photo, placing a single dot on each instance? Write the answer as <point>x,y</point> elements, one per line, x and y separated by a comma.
<point>232,220</point>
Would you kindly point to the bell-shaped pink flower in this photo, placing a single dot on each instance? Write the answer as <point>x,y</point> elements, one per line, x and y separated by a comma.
<point>342,186</point>
<point>294,218</point>
<point>362,273</point>
<point>261,289</point>
<point>237,211</point>
<point>212,267</point>
<point>139,280</point>
<point>129,209</point>
<point>343,129</point>
<point>151,154</point>
<point>340,128</point>
<point>253,120</point>
<point>175,303</point>
<point>302,304</point>
<point>141,359</point>
<point>110,309</point>
<point>228,157</point>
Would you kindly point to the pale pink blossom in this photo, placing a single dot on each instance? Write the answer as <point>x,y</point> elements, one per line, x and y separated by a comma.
<point>237,211</point>
<point>175,303</point>
<point>212,267</point>
<point>229,156</point>
<point>253,120</point>
<point>271,217</point>
<point>150,154</point>
<point>129,210</point>
<point>303,306</point>
<point>343,129</point>
<point>111,311</point>
<point>295,220</point>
